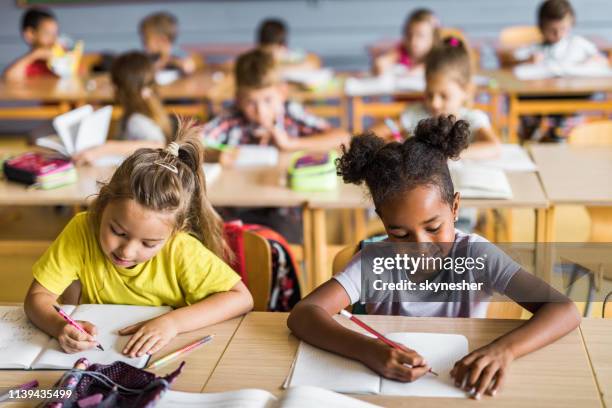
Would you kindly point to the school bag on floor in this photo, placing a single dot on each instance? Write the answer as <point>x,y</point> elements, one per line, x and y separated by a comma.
<point>285,287</point>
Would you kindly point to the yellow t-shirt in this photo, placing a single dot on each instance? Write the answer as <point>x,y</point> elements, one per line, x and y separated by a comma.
<point>182,273</point>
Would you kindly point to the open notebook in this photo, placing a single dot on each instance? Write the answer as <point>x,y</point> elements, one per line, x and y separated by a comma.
<point>297,397</point>
<point>544,71</point>
<point>23,346</point>
<point>478,181</point>
<point>319,368</point>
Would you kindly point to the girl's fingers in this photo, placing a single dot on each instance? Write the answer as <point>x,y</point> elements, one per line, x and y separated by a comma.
<point>499,382</point>
<point>146,346</point>
<point>410,357</point>
<point>157,346</point>
<point>139,343</point>
<point>485,380</point>
<point>475,371</point>
<point>130,329</point>
<point>130,344</point>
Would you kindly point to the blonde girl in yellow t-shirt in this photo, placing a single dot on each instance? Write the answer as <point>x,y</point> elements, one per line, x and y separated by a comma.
<point>150,238</point>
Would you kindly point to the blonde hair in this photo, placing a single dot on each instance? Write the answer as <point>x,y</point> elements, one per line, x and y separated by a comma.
<point>131,73</point>
<point>161,23</point>
<point>255,70</point>
<point>169,180</point>
<point>451,57</point>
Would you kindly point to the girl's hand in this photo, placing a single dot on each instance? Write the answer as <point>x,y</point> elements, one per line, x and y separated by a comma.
<point>72,340</point>
<point>281,139</point>
<point>149,336</point>
<point>404,365</point>
<point>89,156</point>
<point>483,370</point>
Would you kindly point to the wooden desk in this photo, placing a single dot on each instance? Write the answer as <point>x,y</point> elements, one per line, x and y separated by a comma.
<point>200,363</point>
<point>573,175</point>
<point>516,88</point>
<point>262,350</point>
<point>526,189</point>
<point>597,335</point>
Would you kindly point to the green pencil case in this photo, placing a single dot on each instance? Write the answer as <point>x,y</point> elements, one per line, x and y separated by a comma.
<point>313,171</point>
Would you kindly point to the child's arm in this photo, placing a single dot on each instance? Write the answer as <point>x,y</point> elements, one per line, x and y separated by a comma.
<point>311,320</point>
<point>484,370</point>
<point>17,70</point>
<point>384,62</point>
<point>38,306</point>
<point>114,148</point>
<point>150,336</point>
<point>329,139</point>
<point>486,145</point>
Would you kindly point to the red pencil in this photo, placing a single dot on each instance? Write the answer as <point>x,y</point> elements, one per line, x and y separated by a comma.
<point>73,323</point>
<point>378,335</point>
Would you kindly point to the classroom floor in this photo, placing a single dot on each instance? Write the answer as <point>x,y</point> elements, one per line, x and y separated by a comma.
<point>42,224</point>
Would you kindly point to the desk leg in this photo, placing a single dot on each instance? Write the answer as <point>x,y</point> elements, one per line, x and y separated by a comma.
<point>320,273</point>
<point>307,276</point>
<point>544,237</point>
<point>513,118</point>
<point>357,105</point>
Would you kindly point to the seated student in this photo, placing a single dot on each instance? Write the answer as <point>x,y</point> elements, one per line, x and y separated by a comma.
<point>158,33</point>
<point>39,29</point>
<point>413,194</point>
<point>151,238</point>
<point>263,115</point>
<point>560,47</point>
<point>145,122</point>
<point>420,35</point>
<point>449,91</point>
<point>273,36</point>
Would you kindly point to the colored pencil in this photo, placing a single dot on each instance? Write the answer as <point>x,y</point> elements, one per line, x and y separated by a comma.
<point>180,352</point>
<point>73,323</point>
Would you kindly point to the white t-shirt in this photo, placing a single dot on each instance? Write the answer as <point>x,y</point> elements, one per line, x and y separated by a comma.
<point>415,113</point>
<point>500,268</point>
<point>570,50</point>
<point>141,127</point>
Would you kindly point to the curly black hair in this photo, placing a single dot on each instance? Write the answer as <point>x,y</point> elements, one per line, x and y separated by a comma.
<point>392,168</point>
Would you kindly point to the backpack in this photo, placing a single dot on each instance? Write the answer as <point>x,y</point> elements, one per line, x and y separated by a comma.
<point>285,288</point>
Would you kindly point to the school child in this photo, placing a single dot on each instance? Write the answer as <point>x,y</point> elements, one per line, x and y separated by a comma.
<point>263,115</point>
<point>273,37</point>
<point>39,29</point>
<point>145,122</point>
<point>413,194</point>
<point>561,48</point>
<point>420,34</point>
<point>450,91</point>
<point>158,33</point>
<point>150,238</point>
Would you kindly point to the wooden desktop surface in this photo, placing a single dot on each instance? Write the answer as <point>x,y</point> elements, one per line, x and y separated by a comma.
<point>262,351</point>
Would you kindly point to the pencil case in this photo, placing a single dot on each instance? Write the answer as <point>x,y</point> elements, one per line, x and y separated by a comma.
<point>36,168</point>
<point>313,171</point>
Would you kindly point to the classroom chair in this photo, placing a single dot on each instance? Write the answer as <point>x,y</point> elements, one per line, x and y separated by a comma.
<point>496,310</point>
<point>258,264</point>
<point>511,38</point>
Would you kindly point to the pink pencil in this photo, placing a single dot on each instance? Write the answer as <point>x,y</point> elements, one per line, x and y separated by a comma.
<point>380,336</point>
<point>73,323</point>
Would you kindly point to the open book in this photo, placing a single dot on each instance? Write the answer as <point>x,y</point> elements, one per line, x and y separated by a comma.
<point>78,130</point>
<point>319,368</point>
<point>544,71</point>
<point>23,346</point>
<point>512,158</point>
<point>297,397</point>
<point>478,181</point>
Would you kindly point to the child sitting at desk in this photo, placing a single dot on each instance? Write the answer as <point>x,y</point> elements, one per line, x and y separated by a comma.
<point>263,115</point>
<point>559,48</point>
<point>273,36</point>
<point>39,29</point>
<point>158,33</point>
<point>420,35</point>
<point>449,91</point>
<point>414,196</point>
<point>150,238</point>
<point>145,122</point>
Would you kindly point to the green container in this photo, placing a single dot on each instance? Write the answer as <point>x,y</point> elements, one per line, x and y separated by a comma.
<point>313,171</point>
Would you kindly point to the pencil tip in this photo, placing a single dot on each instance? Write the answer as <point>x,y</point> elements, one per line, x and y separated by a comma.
<point>100,347</point>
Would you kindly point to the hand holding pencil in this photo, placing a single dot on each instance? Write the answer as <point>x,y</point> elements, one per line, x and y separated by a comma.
<point>392,360</point>
<point>76,336</point>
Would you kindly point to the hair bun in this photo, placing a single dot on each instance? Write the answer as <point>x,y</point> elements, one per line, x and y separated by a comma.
<point>453,42</point>
<point>355,163</point>
<point>444,133</point>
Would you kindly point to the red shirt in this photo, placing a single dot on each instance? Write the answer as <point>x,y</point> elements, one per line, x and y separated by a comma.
<point>38,68</point>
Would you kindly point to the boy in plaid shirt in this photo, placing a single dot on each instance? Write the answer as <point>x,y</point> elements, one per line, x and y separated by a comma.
<point>263,115</point>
